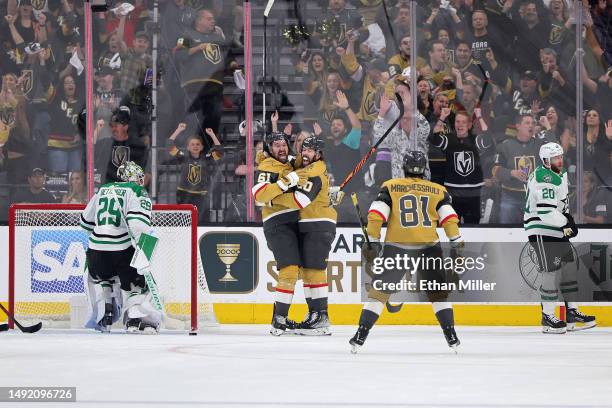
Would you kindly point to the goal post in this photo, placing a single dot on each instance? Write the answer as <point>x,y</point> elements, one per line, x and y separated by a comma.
<point>47,259</point>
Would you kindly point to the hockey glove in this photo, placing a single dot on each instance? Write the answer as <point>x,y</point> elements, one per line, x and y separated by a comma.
<point>570,230</point>
<point>288,181</point>
<point>335,196</point>
<point>456,253</point>
<point>372,251</point>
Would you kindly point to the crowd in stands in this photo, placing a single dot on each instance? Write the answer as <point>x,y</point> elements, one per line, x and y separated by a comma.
<point>495,80</point>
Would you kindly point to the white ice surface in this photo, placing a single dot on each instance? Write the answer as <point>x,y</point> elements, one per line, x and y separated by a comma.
<point>244,366</point>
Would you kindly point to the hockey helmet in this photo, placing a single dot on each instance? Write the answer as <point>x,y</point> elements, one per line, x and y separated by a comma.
<point>130,171</point>
<point>314,143</point>
<point>270,138</point>
<point>121,115</point>
<point>548,151</point>
<point>414,163</point>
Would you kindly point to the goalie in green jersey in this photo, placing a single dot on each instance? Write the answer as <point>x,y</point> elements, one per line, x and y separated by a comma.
<point>118,219</point>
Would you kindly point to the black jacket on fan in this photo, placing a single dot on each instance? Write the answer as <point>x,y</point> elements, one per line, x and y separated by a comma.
<point>463,176</point>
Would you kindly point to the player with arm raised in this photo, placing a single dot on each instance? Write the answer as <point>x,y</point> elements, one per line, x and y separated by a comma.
<point>550,226</point>
<point>116,217</point>
<point>412,207</point>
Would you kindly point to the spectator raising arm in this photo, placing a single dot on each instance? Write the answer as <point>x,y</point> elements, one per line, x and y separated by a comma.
<point>342,103</point>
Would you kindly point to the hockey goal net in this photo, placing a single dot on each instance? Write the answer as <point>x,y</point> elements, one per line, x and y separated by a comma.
<point>47,259</point>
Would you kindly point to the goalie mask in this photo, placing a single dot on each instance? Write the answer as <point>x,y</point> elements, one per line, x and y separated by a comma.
<point>414,164</point>
<point>548,153</point>
<point>130,171</point>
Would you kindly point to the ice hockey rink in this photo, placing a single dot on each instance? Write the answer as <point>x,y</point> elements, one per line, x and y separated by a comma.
<point>244,366</point>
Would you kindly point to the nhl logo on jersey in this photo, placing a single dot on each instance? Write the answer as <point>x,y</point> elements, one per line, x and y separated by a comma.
<point>195,175</point>
<point>464,163</point>
<point>121,154</point>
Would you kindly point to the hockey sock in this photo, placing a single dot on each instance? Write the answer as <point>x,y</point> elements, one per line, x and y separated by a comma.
<point>308,296</point>
<point>548,308</point>
<point>316,281</point>
<point>569,282</point>
<point>571,305</point>
<point>370,313</point>
<point>284,289</point>
<point>548,288</point>
<point>444,313</point>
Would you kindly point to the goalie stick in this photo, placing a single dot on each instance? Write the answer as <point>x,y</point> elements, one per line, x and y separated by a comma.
<point>391,308</point>
<point>400,105</point>
<point>25,329</point>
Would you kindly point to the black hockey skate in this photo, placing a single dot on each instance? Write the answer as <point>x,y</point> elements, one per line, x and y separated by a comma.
<point>282,325</point>
<point>315,324</point>
<point>359,338</point>
<point>451,337</point>
<point>148,328</point>
<point>579,321</point>
<point>133,326</point>
<point>551,324</point>
<point>107,320</point>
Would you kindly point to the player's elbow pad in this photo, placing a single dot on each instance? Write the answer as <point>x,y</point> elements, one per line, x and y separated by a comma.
<point>257,188</point>
<point>379,209</point>
<point>301,199</point>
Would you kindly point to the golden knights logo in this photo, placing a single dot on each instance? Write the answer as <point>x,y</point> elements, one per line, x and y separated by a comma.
<point>329,115</point>
<point>526,164</point>
<point>556,34</point>
<point>369,105</point>
<point>7,116</point>
<point>464,163</point>
<point>194,176</point>
<point>212,52</point>
<point>120,155</point>
<point>27,81</point>
<point>38,4</point>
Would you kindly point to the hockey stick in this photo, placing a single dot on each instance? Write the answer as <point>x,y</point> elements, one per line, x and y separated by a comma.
<point>361,223</point>
<point>400,105</point>
<point>484,85</point>
<point>25,329</point>
<point>391,308</point>
<point>3,327</point>
<point>265,44</point>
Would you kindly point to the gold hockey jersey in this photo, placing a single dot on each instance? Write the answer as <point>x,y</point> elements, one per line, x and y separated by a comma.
<point>412,208</point>
<point>312,200</point>
<point>269,170</point>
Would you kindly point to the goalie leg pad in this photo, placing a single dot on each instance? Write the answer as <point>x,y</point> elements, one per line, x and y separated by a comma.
<point>98,294</point>
<point>139,305</point>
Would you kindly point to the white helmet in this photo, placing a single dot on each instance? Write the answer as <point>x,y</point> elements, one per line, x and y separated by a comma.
<point>548,151</point>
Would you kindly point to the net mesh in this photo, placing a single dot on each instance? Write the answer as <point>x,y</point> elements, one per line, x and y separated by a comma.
<point>49,254</point>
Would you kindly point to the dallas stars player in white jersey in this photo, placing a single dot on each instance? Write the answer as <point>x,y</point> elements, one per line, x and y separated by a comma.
<point>550,226</point>
<point>116,217</point>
